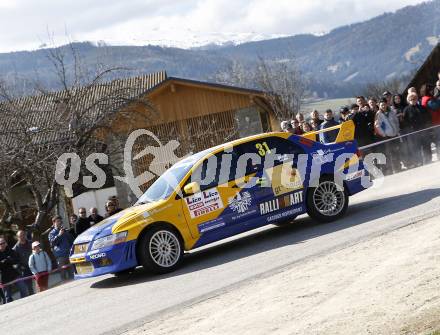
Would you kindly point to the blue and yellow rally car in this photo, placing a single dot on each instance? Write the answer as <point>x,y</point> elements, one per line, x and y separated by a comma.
<point>223,191</point>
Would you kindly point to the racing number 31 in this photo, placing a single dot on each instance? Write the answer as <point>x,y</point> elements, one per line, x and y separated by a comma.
<point>262,148</point>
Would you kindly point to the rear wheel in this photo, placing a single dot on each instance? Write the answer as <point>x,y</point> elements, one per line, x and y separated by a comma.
<point>160,249</point>
<point>328,201</point>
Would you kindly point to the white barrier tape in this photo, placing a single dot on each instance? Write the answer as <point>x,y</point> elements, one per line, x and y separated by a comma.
<point>397,137</point>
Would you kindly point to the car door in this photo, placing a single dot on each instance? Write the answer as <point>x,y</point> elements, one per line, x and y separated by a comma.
<point>203,210</point>
<point>284,180</point>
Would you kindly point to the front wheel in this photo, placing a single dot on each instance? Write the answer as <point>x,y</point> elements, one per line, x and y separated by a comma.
<point>160,250</point>
<point>328,201</point>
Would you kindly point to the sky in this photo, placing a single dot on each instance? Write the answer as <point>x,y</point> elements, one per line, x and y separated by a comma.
<point>29,24</point>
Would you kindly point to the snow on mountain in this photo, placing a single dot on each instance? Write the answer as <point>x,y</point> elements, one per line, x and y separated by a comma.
<point>191,39</point>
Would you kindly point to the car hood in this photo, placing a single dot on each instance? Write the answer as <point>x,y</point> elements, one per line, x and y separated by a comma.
<point>105,227</point>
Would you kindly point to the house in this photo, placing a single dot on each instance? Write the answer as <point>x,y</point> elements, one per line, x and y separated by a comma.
<point>427,73</point>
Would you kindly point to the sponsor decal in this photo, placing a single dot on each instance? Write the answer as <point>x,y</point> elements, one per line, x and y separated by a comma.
<point>322,157</point>
<point>284,214</point>
<point>284,179</point>
<point>204,202</point>
<point>97,256</point>
<point>281,202</point>
<point>243,215</point>
<point>210,225</point>
<point>241,202</point>
<point>354,175</point>
<point>323,152</point>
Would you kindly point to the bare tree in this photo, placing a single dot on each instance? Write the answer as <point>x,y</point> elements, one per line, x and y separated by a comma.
<point>35,131</point>
<point>280,79</point>
<point>284,85</point>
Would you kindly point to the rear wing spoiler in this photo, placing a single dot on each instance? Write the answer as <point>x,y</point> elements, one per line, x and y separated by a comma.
<point>346,132</point>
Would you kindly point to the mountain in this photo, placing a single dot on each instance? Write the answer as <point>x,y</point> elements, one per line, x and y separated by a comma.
<point>337,64</point>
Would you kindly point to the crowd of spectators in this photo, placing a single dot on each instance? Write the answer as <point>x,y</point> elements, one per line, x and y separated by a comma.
<point>27,261</point>
<point>384,118</point>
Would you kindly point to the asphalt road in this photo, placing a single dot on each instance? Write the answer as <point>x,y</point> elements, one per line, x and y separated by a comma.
<point>112,305</point>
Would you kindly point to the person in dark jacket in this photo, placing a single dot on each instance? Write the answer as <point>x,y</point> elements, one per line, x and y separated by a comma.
<point>372,102</point>
<point>314,116</point>
<point>82,223</point>
<point>397,105</point>
<point>94,217</point>
<point>23,248</point>
<point>9,260</point>
<point>417,147</point>
<point>329,121</point>
<point>72,224</point>
<point>344,114</point>
<point>61,241</point>
<point>364,125</point>
<point>111,209</point>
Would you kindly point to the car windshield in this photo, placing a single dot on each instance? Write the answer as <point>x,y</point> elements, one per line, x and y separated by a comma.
<point>167,183</point>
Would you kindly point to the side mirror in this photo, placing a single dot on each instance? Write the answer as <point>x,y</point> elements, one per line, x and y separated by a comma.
<point>192,188</point>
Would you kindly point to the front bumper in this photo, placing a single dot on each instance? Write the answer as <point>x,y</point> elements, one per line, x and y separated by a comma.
<point>102,261</point>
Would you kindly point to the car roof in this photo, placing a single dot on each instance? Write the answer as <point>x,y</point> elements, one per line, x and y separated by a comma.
<point>213,150</point>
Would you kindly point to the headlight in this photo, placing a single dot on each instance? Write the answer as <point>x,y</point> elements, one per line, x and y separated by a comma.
<point>109,240</point>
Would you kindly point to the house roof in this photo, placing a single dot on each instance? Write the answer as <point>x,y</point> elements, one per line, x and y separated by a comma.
<point>427,73</point>
<point>37,112</point>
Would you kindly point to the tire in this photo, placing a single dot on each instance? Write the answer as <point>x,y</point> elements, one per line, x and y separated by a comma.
<point>327,202</point>
<point>160,249</point>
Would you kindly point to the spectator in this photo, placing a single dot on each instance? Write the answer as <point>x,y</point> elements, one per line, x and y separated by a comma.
<point>316,117</point>
<point>397,106</point>
<point>314,124</point>
<point>115,200</point>
<point>437,86</point>
<point>386,123</point>
<point>296,127</point>
<point>94,217</point>
<point>40,265</point>
<point>300,118</point>
<point>8,260</point>
<point>437,89</point>
<point>361,102</point>
<point>344,114</point>
<point>372,102</point>
<point>23,248</point>
<point>386,126</point>
<point>306,127</point>
<point>354,108</point>
<point>82,223</point>
<point>417,148</point>
<point>72,224</point>
<point>110,208</point>
<point>2,295</point>
<point>61,241</point>
<point>412,90</point>
<point>286,127</point>
<point>329,121</point>
<point>433,106</point>
<point>364,124</point>
<point>388,96</point>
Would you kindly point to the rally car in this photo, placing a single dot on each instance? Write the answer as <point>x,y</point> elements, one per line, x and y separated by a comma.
<point>264,179</point>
